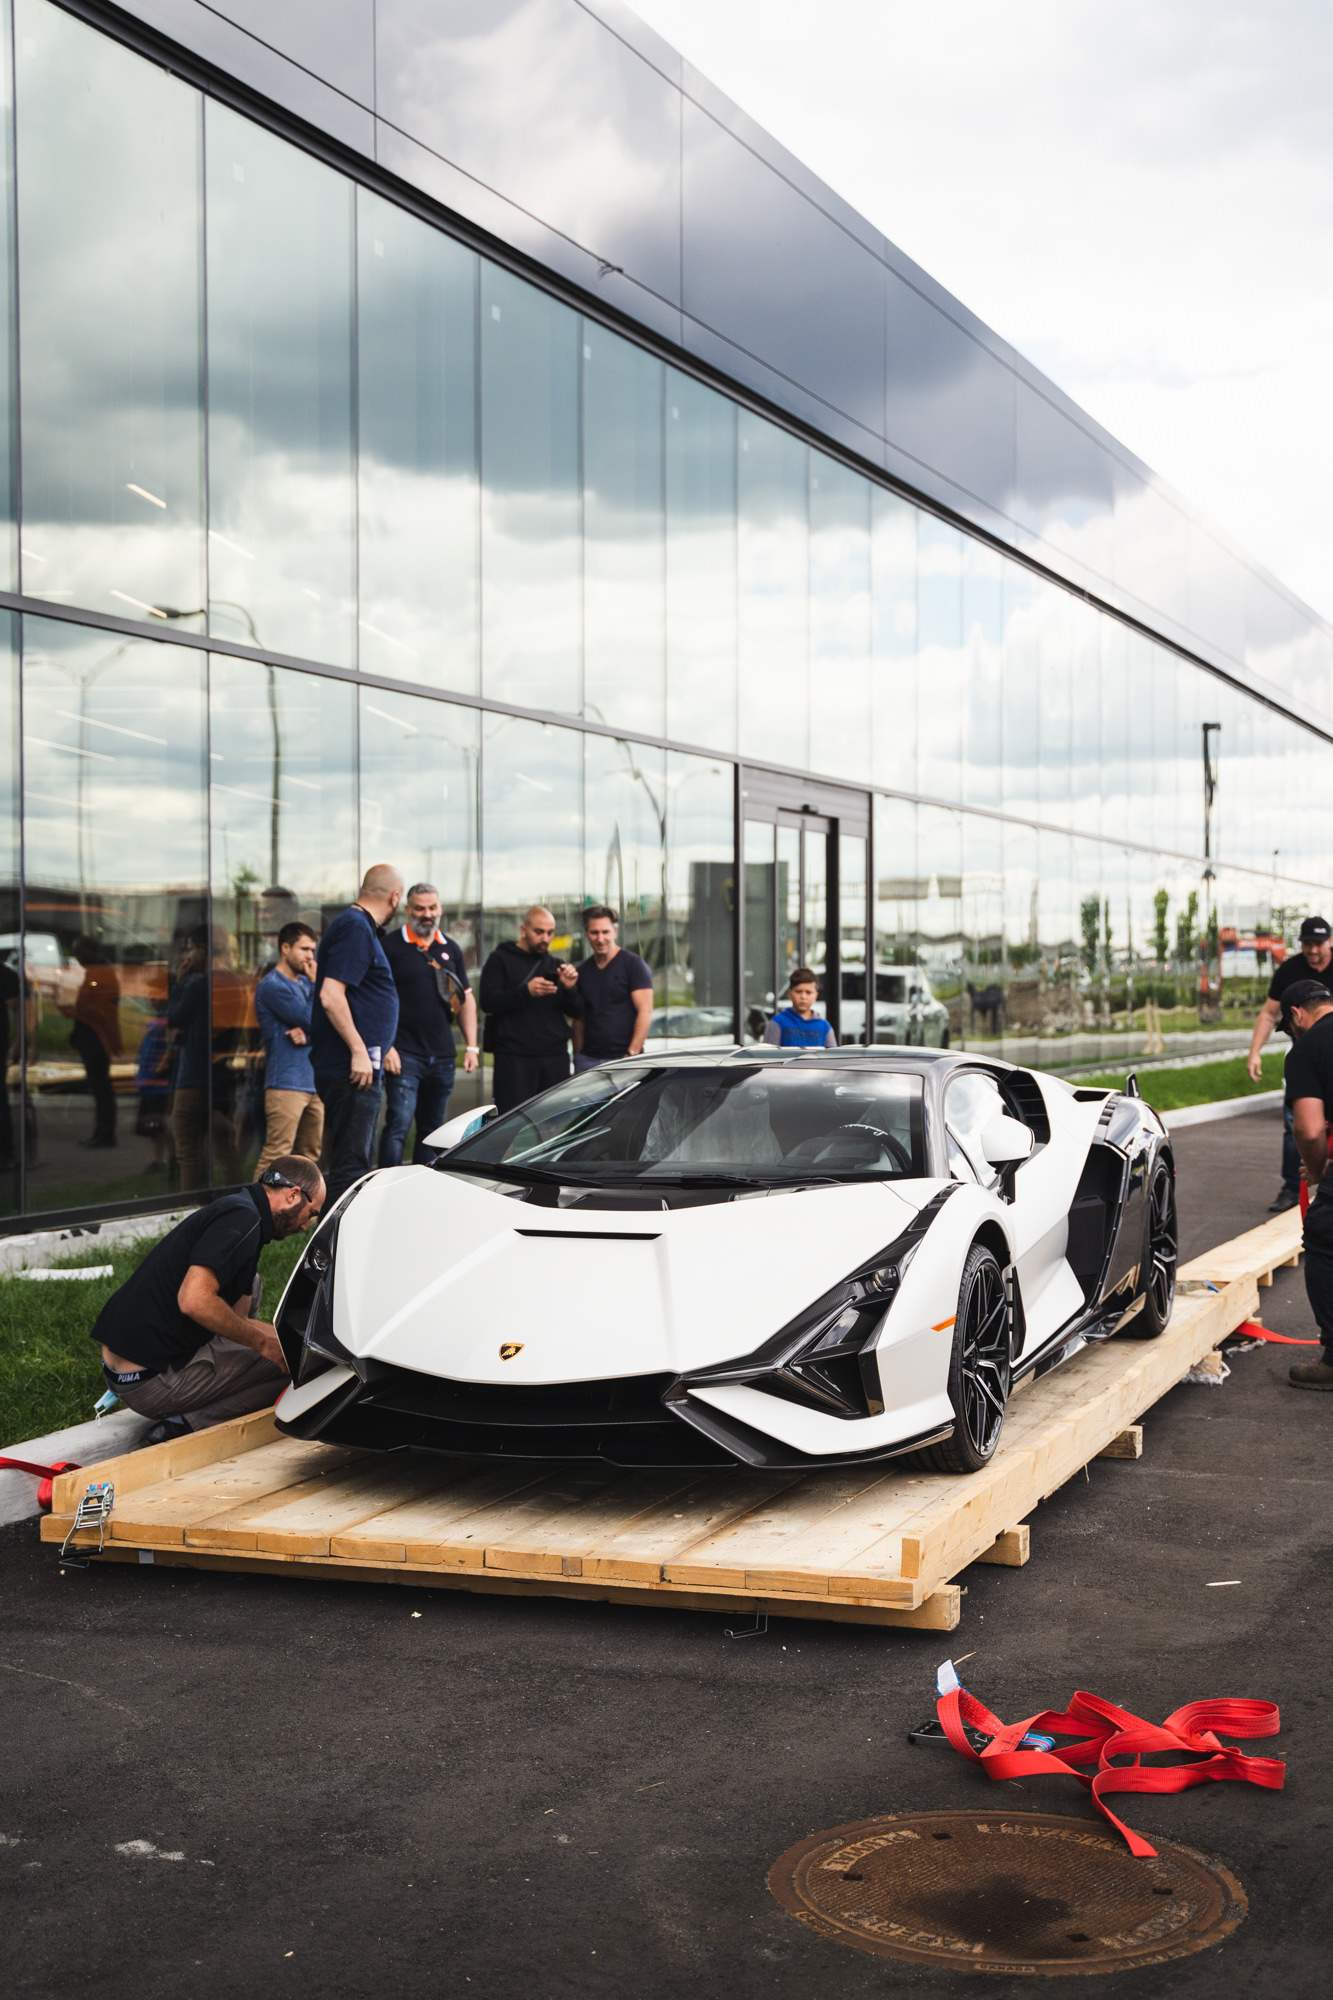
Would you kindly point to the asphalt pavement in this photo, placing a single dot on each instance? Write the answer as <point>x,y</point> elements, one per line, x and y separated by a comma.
<point>213,1784</point>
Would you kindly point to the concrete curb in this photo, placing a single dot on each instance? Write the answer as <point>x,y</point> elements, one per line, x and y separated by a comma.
<point>1224,1107</point>
<point>18,1253</point>
<point>82,1444</point>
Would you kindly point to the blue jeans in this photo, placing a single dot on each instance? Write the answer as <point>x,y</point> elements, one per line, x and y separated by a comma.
<point>421,1092</point>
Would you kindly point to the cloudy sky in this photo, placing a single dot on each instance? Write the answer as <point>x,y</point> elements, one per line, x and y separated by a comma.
<point>1137,193</point>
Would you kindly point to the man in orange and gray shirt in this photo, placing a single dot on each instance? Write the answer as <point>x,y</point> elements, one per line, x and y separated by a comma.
<point>433,992</point>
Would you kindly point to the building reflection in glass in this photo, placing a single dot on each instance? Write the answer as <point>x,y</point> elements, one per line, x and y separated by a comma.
<point>114,896</point>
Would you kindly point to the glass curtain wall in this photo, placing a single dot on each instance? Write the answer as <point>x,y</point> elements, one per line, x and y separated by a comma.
<point>263,407</point>
<point>16,987</point>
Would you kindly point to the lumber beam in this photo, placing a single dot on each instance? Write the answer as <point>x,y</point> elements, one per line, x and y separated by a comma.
<point>1129,1444</point>
<point>1010,1549</point>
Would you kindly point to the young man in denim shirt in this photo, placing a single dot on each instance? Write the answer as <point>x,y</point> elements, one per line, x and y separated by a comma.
<point>293,1114</point>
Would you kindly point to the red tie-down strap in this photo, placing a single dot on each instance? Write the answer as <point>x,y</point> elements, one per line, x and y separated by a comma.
<point>1250,1329</point>
<point>45,1473</point>
<point>1104,1732</point>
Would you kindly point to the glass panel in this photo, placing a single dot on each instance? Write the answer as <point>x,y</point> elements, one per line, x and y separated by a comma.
<point>940,659</point>
<point>16,978</point>
<point>983,668</point>
<point>282,766</point>
<point>1142,739</point>
<point>110,228</point>
<point>936,996</point>
<point>115,917</point>
<point>840,619</point>
<point>897,899</point>
<point>852,932</point>
<point>9,569</point>
<point>894,559</point>
<point>419,812</point>
<point>1085,764</point>
<point>417,468</point>
<point>624,579</point>
<point>788,887</point>
<point>1024,979</point>
<point>701,901</point>
<point>281,514</point>
<point>1062,972</point>
<point>760,922</point>
<point>1022,625</point>
<point>983,929</point>
<point>625,843</point>
<point>701,563</point>
<point>774,594</point>
<point>1115,728</point>
<point>815,942</point>
<point>1054,707</point>
<point>532,828</point>
<point>530,514</point>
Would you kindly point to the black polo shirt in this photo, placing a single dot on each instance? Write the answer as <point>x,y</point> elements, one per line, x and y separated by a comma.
<point>1286,976</point>
<point>142,1321</point>
<point>425,1022</point>
<point>1309,1065</point>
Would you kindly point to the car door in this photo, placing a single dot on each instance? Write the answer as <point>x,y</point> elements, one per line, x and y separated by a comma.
<point>1036,1225</point>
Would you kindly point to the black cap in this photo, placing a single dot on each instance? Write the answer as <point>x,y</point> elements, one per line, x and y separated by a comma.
<point>1307,993</point>
<point>1315,931</point>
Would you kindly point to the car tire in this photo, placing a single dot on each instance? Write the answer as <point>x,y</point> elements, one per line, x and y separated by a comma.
<point>980,1368</point>
<point>1160,1251</point>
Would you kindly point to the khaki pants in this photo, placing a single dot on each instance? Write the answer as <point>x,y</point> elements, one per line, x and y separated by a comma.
<point>221,1381</point>
<point>295,1124</point>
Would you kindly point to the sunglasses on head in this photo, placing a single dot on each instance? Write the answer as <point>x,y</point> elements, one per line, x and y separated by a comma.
<point>272,1178</point>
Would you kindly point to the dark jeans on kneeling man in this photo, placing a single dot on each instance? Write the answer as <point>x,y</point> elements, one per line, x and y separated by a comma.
<point>350,1119</point>
<point>421,1092</point>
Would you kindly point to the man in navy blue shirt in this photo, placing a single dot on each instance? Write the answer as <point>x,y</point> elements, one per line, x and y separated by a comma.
<point>353,1024</point>
<point>433,991</point>
<point>617,990</point>
<point>293,1114</point>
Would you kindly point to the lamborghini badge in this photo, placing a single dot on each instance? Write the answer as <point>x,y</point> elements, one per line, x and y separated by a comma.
<point>510,1348</point>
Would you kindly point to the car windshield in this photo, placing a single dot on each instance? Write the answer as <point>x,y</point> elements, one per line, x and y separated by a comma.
<point>765,1124</point>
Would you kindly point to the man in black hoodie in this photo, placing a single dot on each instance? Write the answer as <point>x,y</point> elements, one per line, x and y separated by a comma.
<point>528,1000</point>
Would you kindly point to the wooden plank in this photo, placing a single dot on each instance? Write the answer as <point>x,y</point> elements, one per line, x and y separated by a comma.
<point>1128,1444</point>
<point>155,1462</point>
<point>640,1551</point>
<point>164,1512</point>
<point>754,1546</point>
<point>236,1527</point>
<point>307,1526</point>
<point>1272,1246</point>
<point>562,1491</point>
<point>416,1532</point>
<point>939,1613</point>
<point>558,1542</point>
<point>1011,1548</point>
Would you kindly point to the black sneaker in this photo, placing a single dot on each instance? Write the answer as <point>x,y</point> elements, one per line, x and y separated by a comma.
<point>1286,1198</point>
<point>1311,1375</point>
<point>162,1433</point>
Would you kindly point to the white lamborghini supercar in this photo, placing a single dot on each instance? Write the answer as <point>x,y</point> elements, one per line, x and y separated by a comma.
<point>747,1256</point>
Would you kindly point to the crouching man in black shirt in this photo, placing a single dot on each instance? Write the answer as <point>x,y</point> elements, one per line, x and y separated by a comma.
<point>1309,1076</point>
<point>180,1340</point>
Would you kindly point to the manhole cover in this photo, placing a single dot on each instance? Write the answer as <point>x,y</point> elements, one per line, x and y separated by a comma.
<point>1005,1892</point>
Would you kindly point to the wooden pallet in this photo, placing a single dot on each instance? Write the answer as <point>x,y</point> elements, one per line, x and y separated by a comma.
<point>875,1545</point>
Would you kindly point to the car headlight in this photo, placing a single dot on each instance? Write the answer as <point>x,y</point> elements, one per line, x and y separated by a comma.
<point>824,1358</point>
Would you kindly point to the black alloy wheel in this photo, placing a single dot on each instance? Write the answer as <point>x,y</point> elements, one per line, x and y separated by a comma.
<point>980,1367</point>
<point>1160,1253</point>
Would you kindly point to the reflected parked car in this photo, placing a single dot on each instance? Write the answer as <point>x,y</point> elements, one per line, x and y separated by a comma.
<point>906,1011</point>
<point>690,1024</point>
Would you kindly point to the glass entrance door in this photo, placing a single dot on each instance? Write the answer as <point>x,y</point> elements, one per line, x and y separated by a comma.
<point>791,865</point>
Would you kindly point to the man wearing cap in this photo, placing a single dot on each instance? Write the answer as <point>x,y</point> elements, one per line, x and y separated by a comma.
<point>1315,962</point>
<point>1309,1075</point>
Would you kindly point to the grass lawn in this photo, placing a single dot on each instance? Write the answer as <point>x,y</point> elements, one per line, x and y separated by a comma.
<point>1204,1083</point>
<point>50,1370</point>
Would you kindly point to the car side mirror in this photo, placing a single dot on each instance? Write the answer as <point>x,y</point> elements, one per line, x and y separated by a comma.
<point>453,1132</point>
<point>1004,1141</point>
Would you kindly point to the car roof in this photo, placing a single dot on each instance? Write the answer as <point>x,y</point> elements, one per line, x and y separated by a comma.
<point>888,1057</point>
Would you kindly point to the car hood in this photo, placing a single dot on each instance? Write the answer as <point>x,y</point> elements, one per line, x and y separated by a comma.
<point>438,1275</point>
